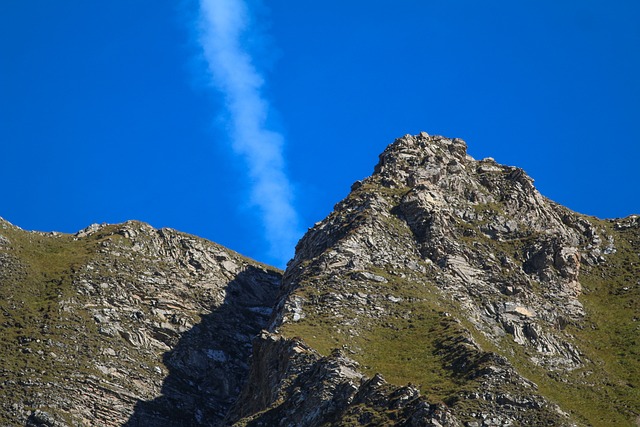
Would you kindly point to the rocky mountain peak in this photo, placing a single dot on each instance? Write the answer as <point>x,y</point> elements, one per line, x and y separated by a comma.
<point>433,224</point>
<point>442,291</point>
<point>442,174</point>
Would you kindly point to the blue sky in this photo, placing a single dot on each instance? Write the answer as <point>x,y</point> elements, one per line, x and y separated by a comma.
<point>122,110</point>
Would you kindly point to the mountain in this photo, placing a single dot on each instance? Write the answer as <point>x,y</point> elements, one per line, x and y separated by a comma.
<point>442,291</point>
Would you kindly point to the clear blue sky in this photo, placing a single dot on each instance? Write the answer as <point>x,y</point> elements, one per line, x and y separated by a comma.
<point>110,111</point>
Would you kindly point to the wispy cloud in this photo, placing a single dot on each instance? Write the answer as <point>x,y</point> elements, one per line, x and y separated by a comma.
<point>223,23</point>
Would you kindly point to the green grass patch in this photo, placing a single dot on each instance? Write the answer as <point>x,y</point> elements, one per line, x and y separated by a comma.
<point>404,344</point>
<point>606,391</point>
<point>408,352</point>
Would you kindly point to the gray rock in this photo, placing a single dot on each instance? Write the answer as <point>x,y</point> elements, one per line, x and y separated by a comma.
<point>437,268</point>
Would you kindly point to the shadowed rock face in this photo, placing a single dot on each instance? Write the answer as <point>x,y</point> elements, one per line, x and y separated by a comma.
<point>142,326</point>
<point>454,274</point>
<point>208,365</point>
<point>443,291</point>
<point>291,384</point>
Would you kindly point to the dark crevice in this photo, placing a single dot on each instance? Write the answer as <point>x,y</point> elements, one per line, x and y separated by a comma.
<point>209,364</point>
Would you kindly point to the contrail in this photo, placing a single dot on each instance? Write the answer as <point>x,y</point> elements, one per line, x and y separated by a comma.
<point>222,24</point>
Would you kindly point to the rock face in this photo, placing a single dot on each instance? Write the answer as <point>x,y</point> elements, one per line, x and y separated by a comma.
<point>443,291</point>
<point>126,325</point>
<point>457,276</point>
<point>292,385</point>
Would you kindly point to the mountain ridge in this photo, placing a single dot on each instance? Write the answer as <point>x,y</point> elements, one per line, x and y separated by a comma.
<point>443,290</point>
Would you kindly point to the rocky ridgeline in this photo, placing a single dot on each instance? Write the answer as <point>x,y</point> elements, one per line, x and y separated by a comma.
<point>509,257</point>
<point>146,327</point>
<point>444,271</point>
<point>443,291</point>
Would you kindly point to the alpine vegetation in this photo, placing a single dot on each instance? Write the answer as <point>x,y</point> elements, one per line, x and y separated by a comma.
<point>442,291</point>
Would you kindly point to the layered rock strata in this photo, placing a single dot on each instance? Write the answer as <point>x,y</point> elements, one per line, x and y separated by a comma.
<point>125,325</point>
<point>443,271</point>
<point>442,291</point>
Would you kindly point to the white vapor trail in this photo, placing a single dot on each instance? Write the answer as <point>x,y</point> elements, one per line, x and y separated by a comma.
<point>222,24</point>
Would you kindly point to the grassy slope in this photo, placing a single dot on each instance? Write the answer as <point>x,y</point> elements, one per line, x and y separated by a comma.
<point>36,277</point>
<point>606,391</point>
<point>405,348</point>
<point>40,340</point>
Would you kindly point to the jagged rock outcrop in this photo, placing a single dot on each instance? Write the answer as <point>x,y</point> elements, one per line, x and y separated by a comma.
<point>451,273</point>
<point>292,385</point>
<point>447,213</point>
<point>125,325</point>
<point>443,291</point>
